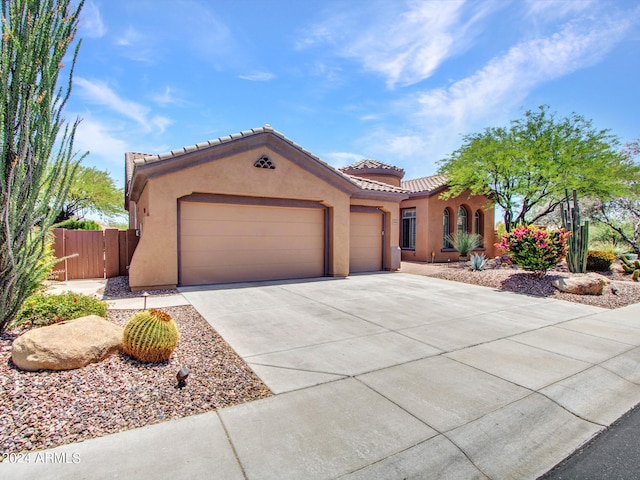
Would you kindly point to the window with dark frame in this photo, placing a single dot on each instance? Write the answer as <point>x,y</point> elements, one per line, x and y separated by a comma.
<point>463,219</point>
<point>478,226</point>
<point>446,229</point>
<point>408,228</point>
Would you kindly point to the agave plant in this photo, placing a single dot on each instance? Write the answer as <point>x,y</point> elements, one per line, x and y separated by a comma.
<point>464,242</point>
<point>478,262</point>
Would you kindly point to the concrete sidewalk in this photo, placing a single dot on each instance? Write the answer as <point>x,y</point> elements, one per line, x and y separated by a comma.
<point>387,376</point>
<point>96,286</point>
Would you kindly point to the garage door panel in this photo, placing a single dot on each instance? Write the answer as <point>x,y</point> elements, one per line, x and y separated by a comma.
<point>203,211</point>
<point>222,243</point>
<point>252,257</point>
<point>235,273</point>
<point>232,243</point>
<point>250,229</point>
<point>365,252</point>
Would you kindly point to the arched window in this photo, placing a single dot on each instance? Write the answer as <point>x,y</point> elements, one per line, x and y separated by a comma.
<point>478,224</point>
<point>463,219</point>
<point>446,228</point>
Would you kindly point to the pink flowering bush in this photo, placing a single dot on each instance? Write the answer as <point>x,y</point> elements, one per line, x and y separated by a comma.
<point>534,248</point>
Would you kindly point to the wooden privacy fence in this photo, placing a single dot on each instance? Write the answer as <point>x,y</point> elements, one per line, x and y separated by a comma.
<point>93,254</point>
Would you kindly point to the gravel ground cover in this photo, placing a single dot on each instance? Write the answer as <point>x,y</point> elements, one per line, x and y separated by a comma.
<point>517,280</point>
<point>45,409</point>
<point>118,287</point>
<point>41,410</point>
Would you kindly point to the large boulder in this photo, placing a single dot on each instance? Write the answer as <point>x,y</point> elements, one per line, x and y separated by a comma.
<point>580,284</point>
<point>66,345</point>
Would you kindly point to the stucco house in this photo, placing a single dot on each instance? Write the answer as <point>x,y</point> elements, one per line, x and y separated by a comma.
<point>256,206</point>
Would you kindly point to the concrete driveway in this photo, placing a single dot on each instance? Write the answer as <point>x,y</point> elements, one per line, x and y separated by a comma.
<point>391,376</point>
<point>395,375</point>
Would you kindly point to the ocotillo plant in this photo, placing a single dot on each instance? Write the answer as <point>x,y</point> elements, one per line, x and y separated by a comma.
<point>37,161</point>
<point>578,243</point>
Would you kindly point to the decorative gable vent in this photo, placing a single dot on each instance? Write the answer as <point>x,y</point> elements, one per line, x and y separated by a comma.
<point>264,162</point>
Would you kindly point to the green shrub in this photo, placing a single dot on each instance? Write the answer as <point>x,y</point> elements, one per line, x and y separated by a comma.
<point>599,261</point>
<point>73,224</point>
<point>616,249</point>
<point>41,308</point>
<point>535,248</point>
<point>464,242</point>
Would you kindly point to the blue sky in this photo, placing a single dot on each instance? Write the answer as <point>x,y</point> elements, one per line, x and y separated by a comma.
<point>394,80</point>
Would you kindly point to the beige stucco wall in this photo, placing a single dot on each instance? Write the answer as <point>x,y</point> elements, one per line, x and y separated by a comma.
<point>429,223</point>
<point>155,262</point>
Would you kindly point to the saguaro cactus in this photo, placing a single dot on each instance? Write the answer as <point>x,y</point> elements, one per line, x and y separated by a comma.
<point>578,243</point>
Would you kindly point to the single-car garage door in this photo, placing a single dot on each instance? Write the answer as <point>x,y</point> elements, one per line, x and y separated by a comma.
<point>222,243</point>
<point>365,251</point>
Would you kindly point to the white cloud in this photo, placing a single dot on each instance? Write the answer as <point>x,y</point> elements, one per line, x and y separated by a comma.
<point>207,35</point>
<point>165,98</point>
<point>438,117</point>
<point>161,122</point>
<point>552,9</point>
<point>104,143</point>
<point>398,147</point>
<point>129,38</point>
<point>505,81</point>
<point>137,46</point>
<point>342,159</point>
<point>405,45</point>
<point>100,93</point>
<point>91,22</point>
<point>258,76</point>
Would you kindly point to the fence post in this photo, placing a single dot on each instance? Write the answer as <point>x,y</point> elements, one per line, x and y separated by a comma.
<point>111,253</point>
<point>60,268</point>
<point>132,243</point>
<point>122,241</point>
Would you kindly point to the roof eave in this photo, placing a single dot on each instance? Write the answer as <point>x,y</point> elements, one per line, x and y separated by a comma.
<point>155,166</point>
<point>428,193</point>
<point>379,195</point>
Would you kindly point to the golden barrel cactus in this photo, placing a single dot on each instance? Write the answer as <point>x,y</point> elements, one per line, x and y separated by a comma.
<point>150,336</point>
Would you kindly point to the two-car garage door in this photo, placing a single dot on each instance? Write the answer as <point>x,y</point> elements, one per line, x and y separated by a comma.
<point>222,243</point>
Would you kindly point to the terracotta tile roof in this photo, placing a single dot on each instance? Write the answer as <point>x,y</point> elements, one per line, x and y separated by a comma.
<point>133,159</point>
<point>129,159</point>
<point>425,184</point>
<point>366,184</point>
<point>368,163</point>
<point>218,141</point>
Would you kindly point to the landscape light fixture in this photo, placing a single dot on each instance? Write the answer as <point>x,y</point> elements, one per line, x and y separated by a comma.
<point>182,375</point>
<point>145,295</point>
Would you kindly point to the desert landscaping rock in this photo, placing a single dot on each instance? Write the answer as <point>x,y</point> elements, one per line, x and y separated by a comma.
<point>67,345</point>
<point>580,284</point>
<point>46,409</point>
<point>619,292</point>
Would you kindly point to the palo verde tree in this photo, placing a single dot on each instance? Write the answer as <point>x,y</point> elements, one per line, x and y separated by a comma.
<point>622,213</point>
<point>38,161</point>
<point>92,190</point>
<point>526,168</point>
